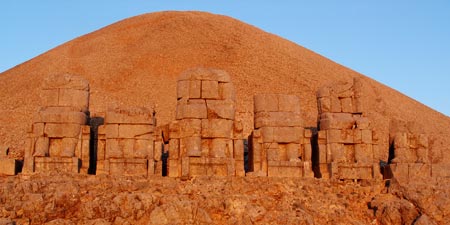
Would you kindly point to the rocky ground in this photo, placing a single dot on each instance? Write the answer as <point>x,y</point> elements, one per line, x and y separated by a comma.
<point>83,199</point>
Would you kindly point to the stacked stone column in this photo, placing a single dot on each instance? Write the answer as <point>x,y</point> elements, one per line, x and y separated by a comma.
<point>59,137</point>
<point>126,142</point>
<point>205,138</point>
<point>278,145</point>
<point>347,144</point>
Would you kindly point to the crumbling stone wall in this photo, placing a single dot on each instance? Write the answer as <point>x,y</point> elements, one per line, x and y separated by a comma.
<point>205,139</point>
<point>126,142</point>
<point>59,137</point>
<point>279,145</point>
<point>8,166</point>
<point>347,144</point>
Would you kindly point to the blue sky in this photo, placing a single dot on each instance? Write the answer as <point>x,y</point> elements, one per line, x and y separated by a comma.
<point>403,44</point>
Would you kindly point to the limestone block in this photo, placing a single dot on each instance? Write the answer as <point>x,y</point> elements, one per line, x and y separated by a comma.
<point>285,169</point>
<point>366,136</point>
<point>357,136</point>
<point>38,129</point>
<point>143,149</point>
<point>324,91</point>
<point>111,130</point>
<point>323,153</point>
<point>265,103</point>
<point>277,119</point>
<point>68,146</point>
<point>355,172</point>
<point>400,171</point>
<point>174,148</point>
<point>349,152</point>
<point>335,136</point>
<point>336,121</point>
<point>50,97</point>
<point>288,103</point>
<point>130,115</point>
<point>185,167</point>
<point>127,147</point>
<point>307,155</point>
<point>238,149</point>
<point>440,170</point>
<point>324,104</point>
<point>74,98</point>
<point>346,104</point>
<point>62,130</point>
<point>190,128</point>
<point>101,148</point>
<point>136,131</point>
<point>221,148</point>
<point>419,170</point>
<point>191,146</point>
<point>60,117</point>
<point>217,128</point>
<point>358,105</point>
<point>401,140</point>
<point>41,146</point>
<point>364,153</point>
<point>174,129</point>
<point>273,152</point>
<point>226,91</point>
<point>221,109</point>
<point>335,104</point>
<point>158,148</point>
<point>128,167</point>
<point>191,110</point>
<point>189,89</point>
<point>57,164</point>
<point>362,122</point>
<point>422,155</point>
<point>113,149</point>
<point>238,130</point>
<point>288,134</point>
<point>422,141</point>
<point>65,81</point>
<point>404,155</point>
<point>337,152</point>
<point>8,166</point>
<point>210,89</point>
<point>293,152</point>
<point>240,171</point>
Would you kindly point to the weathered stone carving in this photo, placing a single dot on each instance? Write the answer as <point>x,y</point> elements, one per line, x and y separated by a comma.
<point>59,136</point>
<point>205,139</point>
<point>347,144</point>
<point>126,142</point>
<point>279,145</point>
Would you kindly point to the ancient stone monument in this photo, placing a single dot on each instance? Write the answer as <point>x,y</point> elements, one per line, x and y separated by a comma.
<point>59,137</point>
<point>8,166</point>
<point>347,144</point>
<point>279,145</point>
<point>204,138</point>
<point>126,142</point>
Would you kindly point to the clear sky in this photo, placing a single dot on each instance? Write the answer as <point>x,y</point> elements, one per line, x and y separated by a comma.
<point>403,44</point>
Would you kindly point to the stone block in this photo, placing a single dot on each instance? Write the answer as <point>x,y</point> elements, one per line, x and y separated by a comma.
<point>226,91</point>
<point>74,98</point>
<point>191,146</point>
<point>337,152</point>
<point>220,109</point>
<point>183,89</point>
<point>101,149</point>
<point>238,149</point>
<point>68,147</point>
<point>422,155</point>
<point>158,148</point>
<point>336,121</point>
<point>293,152</point>
<point>307,155</point>
<point>422,141</point>
<point>217,128</point>
<point>190,128</point>
<point>400,171</point>
<point>65,81</point>
<point>362,122</point>
<point>364,153</point>
<point>265,103</point>
<point>357,136</point>
<point>111,130</point>
<point>324,91</point>
<point>8,166</point>
<point>288,134</point>
<point>210,89</point>
<point>239,164</point>
<point>324,104</point>
<point>174,148</point>
<point>191,111</point>
<point>128,167</point>
<point>50,97</point>
<point>273,152</point>
<point>131,115</point>
<point>358,105</point>
<point>38,129</point>
<point>366,136</point>
<point>60,117</point>
<point>323,153</point>
<point>136,131</point>
<point>278,119</point>
<point>352,172</point>
<point>346,105</point>
<point>113,149</point>
<point>335,104</point>
<point>221,148</point>
<point>185,167</point>
<point>174,129</point>
<point>54,130</point>
<point>284,169</point>
<point>57,164</point>
<point>127,147</point>
<point>289,103</point>
<point>404,155</point>
<point>41,147</point>
<point>417,170</point>
<point>143,149</point>
<point>440,170</point>
<point>349,153</point>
